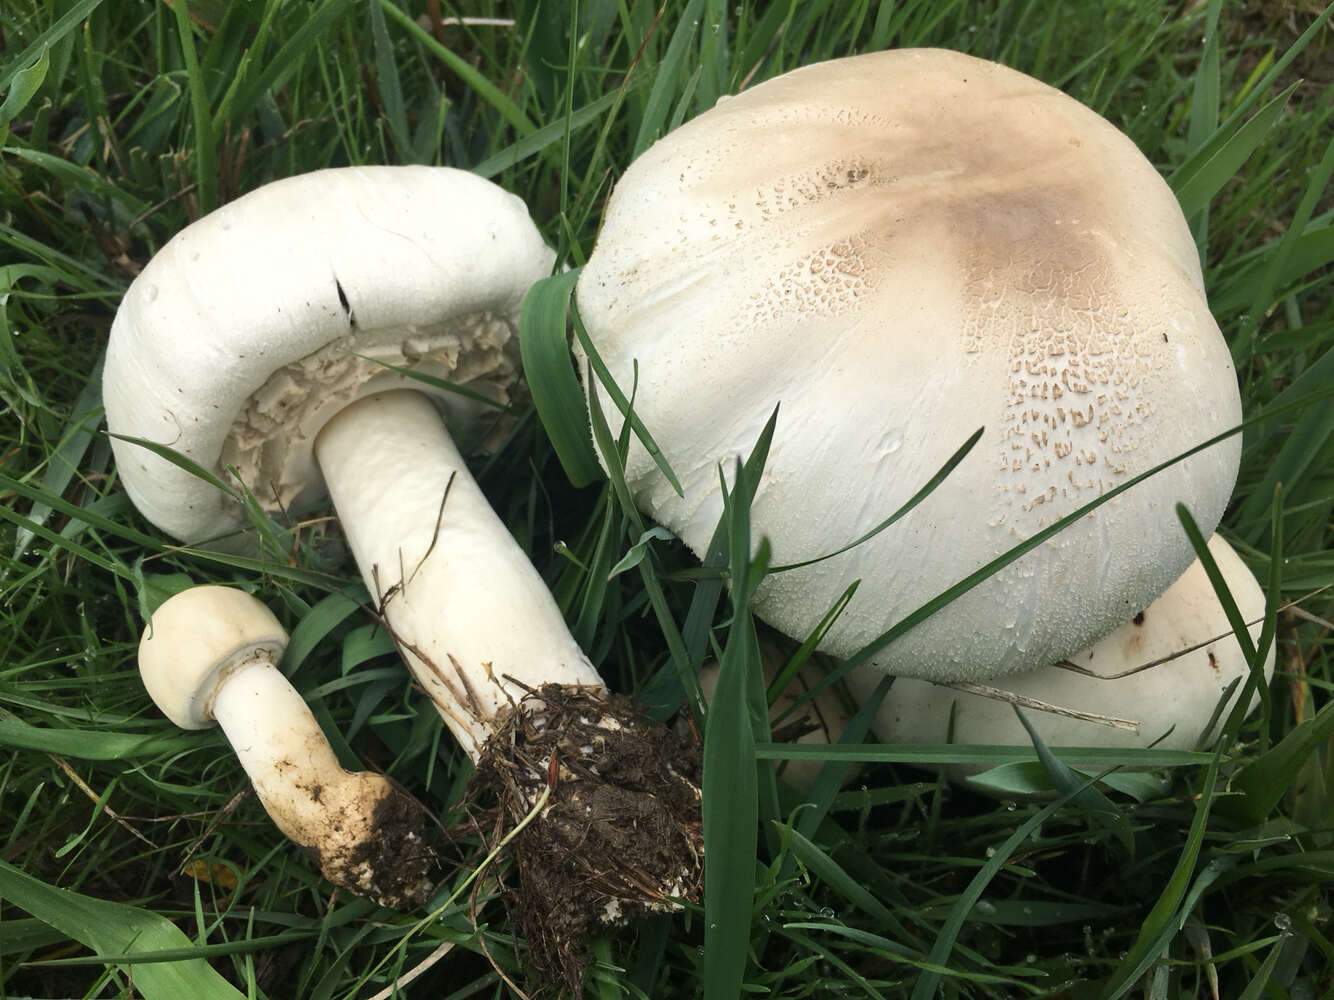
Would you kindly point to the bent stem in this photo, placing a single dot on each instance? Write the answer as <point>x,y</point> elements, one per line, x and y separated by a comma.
<point>485,640</point>
<point>364,832</point>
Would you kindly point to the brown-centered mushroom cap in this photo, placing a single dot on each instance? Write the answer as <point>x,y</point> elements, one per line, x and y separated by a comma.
<point>900,248</point>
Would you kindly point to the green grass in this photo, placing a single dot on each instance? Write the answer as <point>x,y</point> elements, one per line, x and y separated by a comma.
<point>126,119</point>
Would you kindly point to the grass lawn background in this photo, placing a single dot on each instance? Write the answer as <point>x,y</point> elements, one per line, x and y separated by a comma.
<point>131,862</point>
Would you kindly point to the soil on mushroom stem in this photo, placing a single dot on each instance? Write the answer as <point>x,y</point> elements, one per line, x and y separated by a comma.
<point>620,832</point>
<point>379,867</point>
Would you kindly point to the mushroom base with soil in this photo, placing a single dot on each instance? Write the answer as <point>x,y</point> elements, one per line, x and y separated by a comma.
<point>620,833</point>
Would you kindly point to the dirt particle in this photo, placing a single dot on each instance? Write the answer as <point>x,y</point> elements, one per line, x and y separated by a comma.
<point>1138,619</point>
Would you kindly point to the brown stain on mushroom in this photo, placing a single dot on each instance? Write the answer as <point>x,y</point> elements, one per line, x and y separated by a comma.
<point>1041,290</point>
<point>994,205</point>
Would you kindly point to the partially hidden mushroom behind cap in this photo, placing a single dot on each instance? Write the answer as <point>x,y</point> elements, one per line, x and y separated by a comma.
<point>210,657</point>
<point>254,344</point>
<point>819,720</point>
<point>1165,670</point>
<point>900,248</point>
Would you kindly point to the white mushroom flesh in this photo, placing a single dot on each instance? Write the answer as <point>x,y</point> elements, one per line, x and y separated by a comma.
<point>473,619</point>
<point>1170,703</point>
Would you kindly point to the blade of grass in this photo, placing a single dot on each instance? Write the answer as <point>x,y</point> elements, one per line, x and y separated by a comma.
<point>391,90</point>
<point>1263,782</point>
<point>285,63</point>
<point>618,397</point>
<point>730,788</point>
<point>932,977</point>
<point>665,76</point>
<point>557,396</point>
<point>1079,793</point>
<point>979,753</point>
<point>66,456</point>
<point>114,928</point>
<point>470,75</point>
<point>63,26</point>
<point>1195,189</point>
<point>206,158</point>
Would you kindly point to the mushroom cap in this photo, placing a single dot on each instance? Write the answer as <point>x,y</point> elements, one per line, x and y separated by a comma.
<point>253,326</point>
<point>195,639</point>
<point>1179,695</point>
<point>900,248</point>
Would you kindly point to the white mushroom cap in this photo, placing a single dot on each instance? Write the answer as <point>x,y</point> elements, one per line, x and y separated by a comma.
<point>195,640</point>
<point>241,337</point>
<point>900,248</point>
<point>1176,698</point>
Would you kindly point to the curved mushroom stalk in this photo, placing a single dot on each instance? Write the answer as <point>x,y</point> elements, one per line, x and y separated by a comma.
<point>472,617</point>
<point>486,642</point>
<point>210,655</point>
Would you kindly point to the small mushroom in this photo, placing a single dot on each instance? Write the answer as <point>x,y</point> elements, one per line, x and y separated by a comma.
<point>894,250</point>
<point>210,656</point>
<point>1165,670</point>
<point>256,345</point>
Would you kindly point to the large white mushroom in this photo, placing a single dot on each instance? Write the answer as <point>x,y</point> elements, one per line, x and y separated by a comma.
<point>900,248</point>
<point>210,657</point>
<point>255,343</point>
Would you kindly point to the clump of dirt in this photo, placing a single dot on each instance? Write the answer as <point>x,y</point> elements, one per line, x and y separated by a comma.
<point>388,866</point>
<point>620,833</point>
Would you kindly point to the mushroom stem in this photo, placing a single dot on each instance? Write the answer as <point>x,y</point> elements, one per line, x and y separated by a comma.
<point>620,832</point>
<point>311,798</point>
<point>464,604</point>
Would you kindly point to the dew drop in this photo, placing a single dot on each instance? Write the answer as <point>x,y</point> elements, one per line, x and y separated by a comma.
<point>150,293</point>
<point>985,907</point>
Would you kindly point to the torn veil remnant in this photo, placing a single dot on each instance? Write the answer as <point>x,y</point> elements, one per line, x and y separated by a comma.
<point>896,249</point>
<point>257,340</point>
<point>210,657</point>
